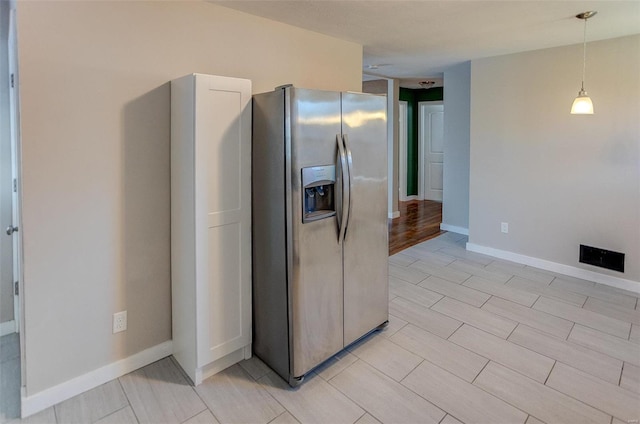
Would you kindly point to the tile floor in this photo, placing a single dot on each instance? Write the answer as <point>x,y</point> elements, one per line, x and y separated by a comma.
<point>471,339</point>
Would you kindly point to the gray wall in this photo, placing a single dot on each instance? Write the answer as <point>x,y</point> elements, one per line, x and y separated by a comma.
<point>95,99</point>
<point>558,179</point>
<point>455,196</point>
<point>6,265</point>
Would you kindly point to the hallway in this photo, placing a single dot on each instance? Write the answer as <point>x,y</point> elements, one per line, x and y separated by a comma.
<point>419,221</point>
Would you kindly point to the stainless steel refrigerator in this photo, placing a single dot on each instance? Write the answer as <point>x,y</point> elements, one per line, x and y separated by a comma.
<point>320,241</point>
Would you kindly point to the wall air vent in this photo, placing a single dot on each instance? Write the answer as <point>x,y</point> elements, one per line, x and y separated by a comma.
<point>602,258</point>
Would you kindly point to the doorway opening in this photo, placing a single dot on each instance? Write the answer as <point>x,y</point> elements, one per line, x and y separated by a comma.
<point>421,142</point>
<point>11,305</point>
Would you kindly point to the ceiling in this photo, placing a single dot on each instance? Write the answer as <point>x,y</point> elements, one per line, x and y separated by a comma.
<point>418,39</point>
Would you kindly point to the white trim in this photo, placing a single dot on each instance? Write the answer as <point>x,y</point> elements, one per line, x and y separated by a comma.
<point>412,197</point>
<point>403,134</point>
<point>395,214</point>
<point>70,388</point>
<point>220,364</point>
<point>454,229</point>
<point>608,280</point>
<point>421,148</point>
<point>7,327</point>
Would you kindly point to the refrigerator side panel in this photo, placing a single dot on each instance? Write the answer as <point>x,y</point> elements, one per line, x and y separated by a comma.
<point>270,298</point>
<point>366,248</point>
<point>316,282</point>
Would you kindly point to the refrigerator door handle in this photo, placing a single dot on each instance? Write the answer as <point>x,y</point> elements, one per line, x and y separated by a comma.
<point>347,204</point>
<point>345,201</point>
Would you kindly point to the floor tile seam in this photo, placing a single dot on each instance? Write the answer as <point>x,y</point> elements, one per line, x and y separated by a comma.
<point>429,332</point>
<point>206,405</point>
<point>55,414</point>
<point>486,301</point>
<point>576,345</point>
<point>342,370</point>
<point>445,295</point>
<point>536,310</point>
<point>261,387</point>
<point>442,277</point>
<point>612,317</point>
<point>401,382</point>
<point>582,323</point>
<point>486,278</point>
<point>604,353</point>
<point>583,402</point>
<point>499,363</point>
<point>397,345</point>
<point>464,381</point>
<point>407,281</point>
<point>423,288</point>
<point>479,308</point>
<point>621,372</point>
<point>330,382</point>
<point>504,298</point>
<point>588,295</point>
<point>536,382</point>
<point>116,411</point>
<point>613,305</point>
<point>126,396</point>
<point>600,380</point>
<point>420,305</point>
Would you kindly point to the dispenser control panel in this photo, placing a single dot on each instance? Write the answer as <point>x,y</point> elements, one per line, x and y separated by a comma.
<point>318,199</point>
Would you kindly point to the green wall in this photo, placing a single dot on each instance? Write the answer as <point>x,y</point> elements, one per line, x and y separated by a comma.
<point>413,97</point>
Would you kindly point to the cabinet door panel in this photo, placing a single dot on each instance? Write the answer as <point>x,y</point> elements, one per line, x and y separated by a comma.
<point>223,163</point>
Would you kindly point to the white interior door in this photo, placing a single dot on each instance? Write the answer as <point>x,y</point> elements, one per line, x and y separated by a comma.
<point>14,117</point>
<point>16,160</point>
<point>402,150</point>
<point>431,144</point>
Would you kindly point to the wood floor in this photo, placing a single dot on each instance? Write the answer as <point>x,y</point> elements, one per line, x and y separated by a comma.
<point>471,339</point>
<point>419,221</point>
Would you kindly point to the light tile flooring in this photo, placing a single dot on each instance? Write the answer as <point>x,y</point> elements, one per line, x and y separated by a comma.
<point>471,339</point>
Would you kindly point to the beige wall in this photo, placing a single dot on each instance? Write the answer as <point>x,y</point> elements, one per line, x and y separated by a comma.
<point>95,117</point>
<point>559,180</point>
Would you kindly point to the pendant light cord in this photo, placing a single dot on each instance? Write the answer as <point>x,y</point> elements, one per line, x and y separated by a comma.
<point>584,54</point>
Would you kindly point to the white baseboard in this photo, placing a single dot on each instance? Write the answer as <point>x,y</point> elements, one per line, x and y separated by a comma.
<point>63,391</point>
<point>585,274</point>
<point>7,327</point>
<point>454,229</point>
<point>218,365</point>
<point>407,198</point>
<point>394,214</point>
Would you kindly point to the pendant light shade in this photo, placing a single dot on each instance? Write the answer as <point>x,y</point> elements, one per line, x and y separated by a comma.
<point>583,105</point>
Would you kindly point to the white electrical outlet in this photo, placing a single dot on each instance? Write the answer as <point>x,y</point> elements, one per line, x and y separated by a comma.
<point>119,321</point>
<point>504,227</point>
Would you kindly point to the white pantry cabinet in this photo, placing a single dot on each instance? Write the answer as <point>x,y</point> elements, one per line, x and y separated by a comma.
<point>210,222</point>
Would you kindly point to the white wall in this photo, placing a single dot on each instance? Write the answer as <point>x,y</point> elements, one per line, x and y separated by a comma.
<point>6,266</point>
<point>96,132</point>
<point>455,194</point>
<point>558,179</point>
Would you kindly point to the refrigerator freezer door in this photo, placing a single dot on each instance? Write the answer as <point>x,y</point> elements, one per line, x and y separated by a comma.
<point>366,251</point>
<point>315,280</point>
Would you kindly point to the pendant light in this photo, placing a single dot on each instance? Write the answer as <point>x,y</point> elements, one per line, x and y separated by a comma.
<point>583,105</point>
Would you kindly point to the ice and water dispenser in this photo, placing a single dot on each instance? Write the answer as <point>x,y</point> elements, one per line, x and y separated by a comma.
<point>318,192</point>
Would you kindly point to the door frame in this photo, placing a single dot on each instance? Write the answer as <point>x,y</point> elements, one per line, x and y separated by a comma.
<point>403,108</point>
<point>16,171</point>
<point>14,124</point>
<point>421,147</point>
